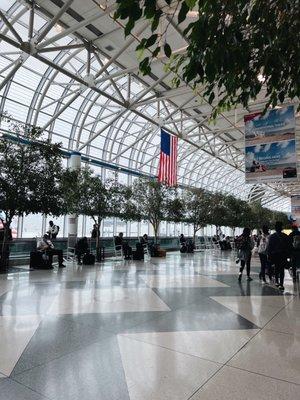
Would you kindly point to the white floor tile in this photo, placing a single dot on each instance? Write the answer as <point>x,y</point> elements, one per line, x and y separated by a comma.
<point>233,384</point>
<point>5,286</point>
<point>294,304</point>
<point>115,299</point>
<point>273,354</point>
<point>153,372</point>
<point>15,333</point>
<point>169,281</point>
<point>257,309</point>
<point>215,345</point>
<point>287,321</point>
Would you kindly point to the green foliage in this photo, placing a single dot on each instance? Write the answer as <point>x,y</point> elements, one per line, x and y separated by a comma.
<point>154,202</point>
<point>198,208</point>
<point>30,174</point>
<point>89,195</point>
<point>234,47</point>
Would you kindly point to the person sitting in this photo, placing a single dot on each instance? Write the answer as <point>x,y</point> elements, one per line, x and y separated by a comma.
<point>227,243</point>
<point>120,244</point>
<point>190,246</point>
<point>222,242</point>
<point>53,230</point>
<point>82,247</point>
<point>144,239</point>
<point>45,245</point>
<point>182,241</point>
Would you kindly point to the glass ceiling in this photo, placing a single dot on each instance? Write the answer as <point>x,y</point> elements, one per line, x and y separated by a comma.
<point>102,107</point>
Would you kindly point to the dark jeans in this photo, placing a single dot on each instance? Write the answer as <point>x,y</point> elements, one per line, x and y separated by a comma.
<point>295,262</point>
<point>55,252</point>
<point>127,250</point>
<point>280,263</point>
<point>263,265</point>
<point>246,262</point>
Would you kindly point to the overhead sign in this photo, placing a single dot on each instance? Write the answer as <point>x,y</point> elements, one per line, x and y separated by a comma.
<point>270,146</point>
<point>295,208</point>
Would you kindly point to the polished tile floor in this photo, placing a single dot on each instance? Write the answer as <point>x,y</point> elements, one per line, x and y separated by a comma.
<point>177,328</point>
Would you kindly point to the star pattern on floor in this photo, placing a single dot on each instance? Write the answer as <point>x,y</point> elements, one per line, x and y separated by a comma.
<point>136,331</point>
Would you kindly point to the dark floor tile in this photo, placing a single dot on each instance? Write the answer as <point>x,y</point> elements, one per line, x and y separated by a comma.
<point>117,322</point>
<point>11,390</point>
<point>179,297</point>
<point>55,337</point>
<point>204,315</point>
<point>93,373</point>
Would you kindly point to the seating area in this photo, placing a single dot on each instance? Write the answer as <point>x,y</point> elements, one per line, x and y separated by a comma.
<point>184,317</point>
<point>149,200</point>
<point>20,248</point>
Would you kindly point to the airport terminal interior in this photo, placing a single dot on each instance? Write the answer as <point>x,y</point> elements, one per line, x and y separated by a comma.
<point>181,322</point>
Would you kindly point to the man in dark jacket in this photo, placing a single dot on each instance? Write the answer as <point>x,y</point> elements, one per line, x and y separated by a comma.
<point>278,251</point>
<point>120,243</point>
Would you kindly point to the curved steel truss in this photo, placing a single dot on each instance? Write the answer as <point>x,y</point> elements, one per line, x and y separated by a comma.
<point>66,66</point>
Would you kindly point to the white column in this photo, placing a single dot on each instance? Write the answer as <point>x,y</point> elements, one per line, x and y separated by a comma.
<point>74,164</point>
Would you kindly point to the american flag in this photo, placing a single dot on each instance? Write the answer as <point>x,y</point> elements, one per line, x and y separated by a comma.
<point>167,171</point>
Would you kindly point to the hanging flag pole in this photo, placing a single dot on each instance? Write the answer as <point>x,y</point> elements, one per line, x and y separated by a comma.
<point>167,170</point>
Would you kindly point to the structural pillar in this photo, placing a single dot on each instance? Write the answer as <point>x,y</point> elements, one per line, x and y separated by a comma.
<point>74,164</point>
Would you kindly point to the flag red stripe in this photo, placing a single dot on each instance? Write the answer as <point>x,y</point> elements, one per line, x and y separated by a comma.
<point>167,169</point>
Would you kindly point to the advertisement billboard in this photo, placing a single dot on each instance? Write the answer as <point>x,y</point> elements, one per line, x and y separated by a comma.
<point>270,147</point>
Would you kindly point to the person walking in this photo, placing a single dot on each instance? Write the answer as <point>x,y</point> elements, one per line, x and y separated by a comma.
<point>245,245</point>
<point>278,251</point>
<point>294,237</point>
<point>262,252</point>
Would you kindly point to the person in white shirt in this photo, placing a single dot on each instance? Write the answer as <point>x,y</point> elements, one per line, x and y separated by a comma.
<point>53,230</point>
<point>47,246</point>
<point>262,245</point>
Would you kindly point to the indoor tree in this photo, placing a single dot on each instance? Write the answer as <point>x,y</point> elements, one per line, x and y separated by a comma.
<point>91,196</point>
<point>197,204</point>
<point>218,210</point>
<point>233,48</point>
<point>152,200</point>
<point>30,175</point>
<point>236,212</point>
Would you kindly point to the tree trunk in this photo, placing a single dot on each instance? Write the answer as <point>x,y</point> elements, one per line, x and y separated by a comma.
<point>4,256</point>
<point>195,230</point>
<point>155,228</point>
<point>98,255</point>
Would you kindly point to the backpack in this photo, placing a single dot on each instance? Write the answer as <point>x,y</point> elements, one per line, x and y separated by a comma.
<point>242,243</point>
<point>262,248</point>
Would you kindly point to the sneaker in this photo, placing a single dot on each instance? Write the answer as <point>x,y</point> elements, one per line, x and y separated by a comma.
<point>280,287</point>
<point>249,278</point>
<point>277,284</point>
<point>240,277</point>
<point>61,266</point>
<point>264,282</point>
